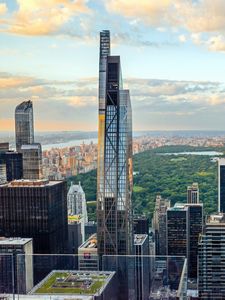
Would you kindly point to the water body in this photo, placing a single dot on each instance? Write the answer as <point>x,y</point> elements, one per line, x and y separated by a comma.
<point>209,153</point>
<point>69,144</point>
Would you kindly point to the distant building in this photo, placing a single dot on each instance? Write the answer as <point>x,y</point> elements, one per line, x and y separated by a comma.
<point>24,124</point>
<point>16,265</point>
<point>4,147</point>
<point>142,266</point>
<point>12,164</point>
<point>90,229</point>
<point>76,201</point>
<point>221,185</point>
<point>193,193</point>
<point>91,285</point>
<point>35,209</point>
<point>88,255</point>
<point>32,161</point>
<point>211,262</point>
<point>141,225</point>
<point>184,226</point>
<point>159,225</point>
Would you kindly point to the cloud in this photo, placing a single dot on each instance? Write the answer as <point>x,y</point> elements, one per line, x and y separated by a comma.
<point>38,17</point>
<point>73,104</point>
<point>196,17</point>
<point>3,8</point>
<point>182,38</point>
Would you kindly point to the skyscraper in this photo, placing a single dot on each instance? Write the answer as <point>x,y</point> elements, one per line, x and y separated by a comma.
<point>32,161</point>
<point>159,224</point>
<point>221,185</point>
<point>184,226</point>
<point>76,201</point>
<point>211,259</point>
<point>24,126</point>
<point>35,209</point>
<point>114,214</point>
<point>193,193</point>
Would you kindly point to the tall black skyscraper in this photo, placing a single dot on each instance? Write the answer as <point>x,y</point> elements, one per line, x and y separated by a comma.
<point>35,209</point>
<point>114,214</point>
<point>13,163</point>
<point>24,124</point>
<point>184,226</point>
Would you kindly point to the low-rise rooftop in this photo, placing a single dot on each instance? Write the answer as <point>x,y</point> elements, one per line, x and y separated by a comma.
<point>73,282</point>
<point>139,238</point>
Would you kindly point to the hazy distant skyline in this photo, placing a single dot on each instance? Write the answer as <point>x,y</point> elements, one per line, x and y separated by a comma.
<point>172,53</point>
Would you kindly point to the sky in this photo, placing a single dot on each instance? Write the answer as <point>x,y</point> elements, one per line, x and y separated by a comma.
<point>172,53</point>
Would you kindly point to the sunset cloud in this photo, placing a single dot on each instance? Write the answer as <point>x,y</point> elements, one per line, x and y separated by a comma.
<point>3,8</point>
<point>39,17</point>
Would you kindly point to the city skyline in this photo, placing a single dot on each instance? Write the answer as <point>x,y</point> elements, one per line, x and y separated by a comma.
<point>174,66</point>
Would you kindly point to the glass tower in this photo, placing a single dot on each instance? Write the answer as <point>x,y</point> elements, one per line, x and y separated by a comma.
<point>115,176</point>
<point>24,124</point>
<point>221,185</point>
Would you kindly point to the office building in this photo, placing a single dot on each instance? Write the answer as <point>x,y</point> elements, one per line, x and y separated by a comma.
<point>88,255</point>
<point>141,225</point>
<point>114,187</point>
<point>221,185</point>
<point>35,209</point>
<point>76,201</point>
<point>24,124</point>
<point>142,266</point>
<point>159,225</point>
<point>91,285</point>
<point>75,233</point>
<point>193,193</point>
<point>16,265</point>
<point>184,226</point>
<point>12,164</point>
<point>211,258</point>
<point>32,161</point>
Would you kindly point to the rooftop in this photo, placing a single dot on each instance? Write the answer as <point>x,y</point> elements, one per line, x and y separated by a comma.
<point>30,183</point>
<point>73,282</point>
<point>91,243</point>
<point>139,238</point>
<point>216,218</point>
<point>25,105</point>
<point>14,241</point>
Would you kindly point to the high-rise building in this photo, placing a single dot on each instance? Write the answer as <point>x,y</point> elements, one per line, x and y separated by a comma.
<point>184,226</point>
<point>142,266</point>
<point>76,201</point>
<point>141,225</point>
<point>24,126</point>
<point>193,193</point>
<point>221,185</point>
<point>16,265</point>
<point>211,259</point>
<point>114,212</point>
<point>88,255</point>
<point>12,163</point>
<point>32,161</point>
<point>35,209</point>
<point>159,224</point>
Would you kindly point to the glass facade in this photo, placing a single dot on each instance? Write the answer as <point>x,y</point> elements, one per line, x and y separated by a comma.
<point>221,185</point>
<point>24,126</point>
<point>211,259</point>
<point>114,213</point>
